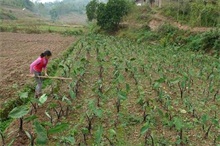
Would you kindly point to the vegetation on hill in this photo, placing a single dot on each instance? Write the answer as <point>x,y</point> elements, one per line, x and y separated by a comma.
<point>18,4</point>
<point>194,13</point>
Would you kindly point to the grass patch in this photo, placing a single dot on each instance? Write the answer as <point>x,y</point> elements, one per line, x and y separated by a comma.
<point>39,27</point>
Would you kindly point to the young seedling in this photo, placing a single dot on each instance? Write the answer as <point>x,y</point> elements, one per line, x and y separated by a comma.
<point>49,116</point>
<point>69,103</point>
<point>85,131</point>
<point>207,132</point>
<point>42,135</point>
<point>179,125</point>
<point>89,119</point>
<point>60,112</point>
<point>98,135</point>
<point>182,87</point>
<point>31,137</point>
<point>146,132</point>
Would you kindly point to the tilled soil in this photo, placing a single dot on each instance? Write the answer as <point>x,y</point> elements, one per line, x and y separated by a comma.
<point>18,51</point>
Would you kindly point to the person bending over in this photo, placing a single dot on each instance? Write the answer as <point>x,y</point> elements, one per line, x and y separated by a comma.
<point>36,68</point>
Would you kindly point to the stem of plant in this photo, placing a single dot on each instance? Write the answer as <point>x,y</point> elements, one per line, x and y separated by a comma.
<point>3,138</point>
<point>84,138</point>
<point>181,136</point>
<point>34,105</point>
<point>98,101</point>
<point>110,142</point>
<point>89,122</point>
<point>152,140</point>
<point>207,132</point>
<point>216,95</point>
<point>67,110</point>
<point>118,104</point>
<point>144,116</point>
<point>21,124</point>
<point>181,91</point>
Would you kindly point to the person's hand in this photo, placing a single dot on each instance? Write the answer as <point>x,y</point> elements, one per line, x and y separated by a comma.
<point>32,75</point>
<point>46,74</point>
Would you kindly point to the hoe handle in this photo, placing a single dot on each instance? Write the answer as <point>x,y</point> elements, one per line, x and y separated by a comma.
<point>49,77</point>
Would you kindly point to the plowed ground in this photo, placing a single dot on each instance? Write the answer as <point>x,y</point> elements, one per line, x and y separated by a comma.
<point>17,51</point>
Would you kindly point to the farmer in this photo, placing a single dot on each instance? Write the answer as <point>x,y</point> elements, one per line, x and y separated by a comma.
<point>36,69</point>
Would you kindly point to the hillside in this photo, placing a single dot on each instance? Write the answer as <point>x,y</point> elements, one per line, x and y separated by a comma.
<point>28,11</point>
<point>15,13</point>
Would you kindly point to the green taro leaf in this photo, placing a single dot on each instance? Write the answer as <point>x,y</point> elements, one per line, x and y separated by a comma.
<point>175,81</point>
<point>145,128</point>
<point>112,132</point>
<point>66,100</point>
<point>161,80</point>
<point>19,112</point>
<point>85,130</point>
<point>72,94</point>
<point>69,139</point>
<point>98,112</point>
<point>43,99</point>
<point>98,135</point>
<point>127,87</point>
<point>28,134</point>
<point>122,95</point>
<point>204,118</point>
<point>23,95</point>
<point>132,59</point>
<point>41,134</point>
<point>178,123</point>
<point>58,128</point>
<point>121,78</point>
<point>30,118</point>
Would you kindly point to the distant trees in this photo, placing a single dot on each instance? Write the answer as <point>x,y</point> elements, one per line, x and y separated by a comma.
<point>53,14</point>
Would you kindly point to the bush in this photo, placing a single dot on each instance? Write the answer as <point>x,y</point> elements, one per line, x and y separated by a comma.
<point>110,15</point>
<point>207,41</point>
<point>166,29</point>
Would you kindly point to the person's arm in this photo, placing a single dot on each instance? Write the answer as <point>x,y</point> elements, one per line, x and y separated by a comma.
<point>45,68</point>
<point>45,71</point>
<point>37,61</point>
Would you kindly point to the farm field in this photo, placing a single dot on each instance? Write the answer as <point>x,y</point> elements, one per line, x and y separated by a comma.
<point>124,93</point>
<point>18,50</point>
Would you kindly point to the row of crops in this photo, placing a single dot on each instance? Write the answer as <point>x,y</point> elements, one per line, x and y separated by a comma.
<point>124,93</point>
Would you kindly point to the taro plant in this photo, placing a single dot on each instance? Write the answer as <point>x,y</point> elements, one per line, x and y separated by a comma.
<point>19,113</point>
<point>2,137</point>
<point>179,126</point>
<point>146,131</point>
<point>98,135</point>
<point>41,132</point>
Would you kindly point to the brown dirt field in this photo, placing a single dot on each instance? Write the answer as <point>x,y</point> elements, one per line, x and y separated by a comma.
<point>18,51</point>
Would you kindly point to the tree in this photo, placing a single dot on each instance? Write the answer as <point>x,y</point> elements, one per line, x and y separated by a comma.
<point>110,15</point>
<point>91,8</point>
<point>53,14</point>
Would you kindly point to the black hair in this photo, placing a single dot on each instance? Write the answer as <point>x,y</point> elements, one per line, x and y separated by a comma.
<point>46,53</point>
